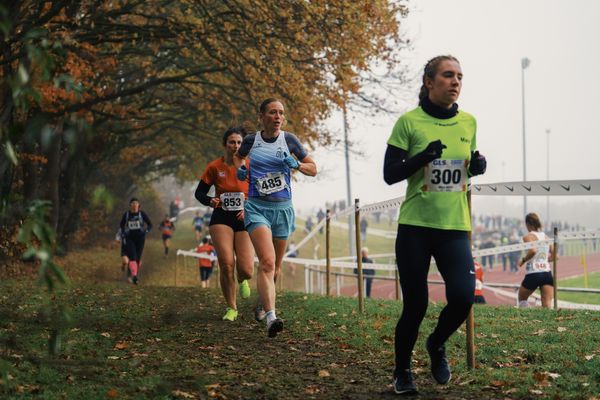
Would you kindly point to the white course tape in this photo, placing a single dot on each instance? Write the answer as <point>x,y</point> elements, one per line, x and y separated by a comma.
<point>307,237</point>
<point>382,205</point>
<point>186,210</point>
<point>340,264</point>
<point>332,216</point>
<point>343,213</point>
<point>539,188</point>
<point>383,255</point>
<point>192,253</point>
<point>578,235</point>
<point>510,248</point>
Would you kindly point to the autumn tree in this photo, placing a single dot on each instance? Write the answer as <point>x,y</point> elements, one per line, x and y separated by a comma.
<point>114,92</point>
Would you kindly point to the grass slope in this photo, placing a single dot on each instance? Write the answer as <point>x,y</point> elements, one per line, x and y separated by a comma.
<point>164,342</point>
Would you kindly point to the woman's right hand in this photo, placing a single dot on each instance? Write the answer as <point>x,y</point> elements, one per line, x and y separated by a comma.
<point>214,202</point>
<point>242,173</point>
<point>433,151</point>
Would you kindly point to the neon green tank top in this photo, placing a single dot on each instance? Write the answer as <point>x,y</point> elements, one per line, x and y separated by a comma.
<point>436,196</point>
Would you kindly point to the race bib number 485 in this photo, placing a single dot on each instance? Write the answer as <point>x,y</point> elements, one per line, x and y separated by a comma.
<point>232,201</point>
<point>445,176</point>
<point>271,183</point>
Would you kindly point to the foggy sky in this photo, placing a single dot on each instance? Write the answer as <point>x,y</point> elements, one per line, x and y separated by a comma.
<point>489,38</point>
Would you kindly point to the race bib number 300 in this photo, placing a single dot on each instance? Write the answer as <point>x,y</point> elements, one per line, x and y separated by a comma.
<point>445,176</point>
<point>232,201</point>
<point>271,183</point>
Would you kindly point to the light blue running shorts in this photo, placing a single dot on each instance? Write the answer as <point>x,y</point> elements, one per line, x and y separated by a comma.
<point>278,216</point>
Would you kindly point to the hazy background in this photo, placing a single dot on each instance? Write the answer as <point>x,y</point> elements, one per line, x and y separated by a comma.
<point>562,87</point>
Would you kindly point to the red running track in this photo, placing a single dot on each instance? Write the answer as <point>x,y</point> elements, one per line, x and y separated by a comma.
<point>568,267</point>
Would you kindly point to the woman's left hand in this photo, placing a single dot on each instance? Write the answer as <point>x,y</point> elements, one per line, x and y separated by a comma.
<point>291,161</point>
<point>478,164</point>
<point>240,215</point>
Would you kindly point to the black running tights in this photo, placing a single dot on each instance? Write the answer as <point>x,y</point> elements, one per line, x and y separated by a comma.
<point>452,253</point>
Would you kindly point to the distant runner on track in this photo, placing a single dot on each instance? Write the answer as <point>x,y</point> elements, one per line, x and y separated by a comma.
<point>538,273</point>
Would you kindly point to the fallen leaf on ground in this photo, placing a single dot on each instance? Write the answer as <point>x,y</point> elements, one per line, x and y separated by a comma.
<point>323,373</point>
<point>182,394</point>
<point>121,346</point>
<point>312,389</point>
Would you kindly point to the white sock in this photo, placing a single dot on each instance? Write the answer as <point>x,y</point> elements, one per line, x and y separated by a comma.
<point>270,316</point>
<point>523,304</point>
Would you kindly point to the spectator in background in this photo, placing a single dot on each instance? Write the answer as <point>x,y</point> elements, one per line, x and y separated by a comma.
<point>363,229</point>
<point>320,216</point>
<point>367,272</point>
<point>513,257</point>
<point>377,216</point>
<point>488,261</point>
<point>173,209</point>
<point>504,256</point>
<point>309,225</point>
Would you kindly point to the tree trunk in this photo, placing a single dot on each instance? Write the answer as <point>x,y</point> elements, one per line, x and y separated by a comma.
<point>52,175</point>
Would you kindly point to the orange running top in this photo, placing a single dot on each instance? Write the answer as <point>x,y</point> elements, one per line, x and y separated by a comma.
<point>224,177</point>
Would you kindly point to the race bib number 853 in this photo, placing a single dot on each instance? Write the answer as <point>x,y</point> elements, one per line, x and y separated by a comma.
<point>445,176</point>
<point>232,201</point>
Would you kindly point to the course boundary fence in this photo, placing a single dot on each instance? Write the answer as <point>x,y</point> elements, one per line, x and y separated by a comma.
<point>533,188</point>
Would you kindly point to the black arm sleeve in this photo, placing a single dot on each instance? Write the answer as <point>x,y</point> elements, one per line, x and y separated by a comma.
<point>246,146</point>
<point>201,193</point>
<point>147,221</point>
<point>396,167</point>
<point>123,222</point>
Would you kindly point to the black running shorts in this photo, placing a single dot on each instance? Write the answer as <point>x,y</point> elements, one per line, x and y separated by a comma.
<point>537,280</point>
<point>229,218</point>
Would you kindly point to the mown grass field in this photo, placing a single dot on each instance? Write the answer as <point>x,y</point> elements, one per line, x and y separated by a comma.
<point>157,341</point>
<point>165,342</point>
<point>593,281</point>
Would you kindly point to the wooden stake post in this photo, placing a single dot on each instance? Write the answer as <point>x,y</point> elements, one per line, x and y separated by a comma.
<point>554,267</point>
<point>361,300</point>
<point>328,253</point>
<point>470,323</point>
